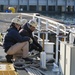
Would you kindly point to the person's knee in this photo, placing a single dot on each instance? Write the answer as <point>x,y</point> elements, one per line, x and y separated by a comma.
<point>27,43</point>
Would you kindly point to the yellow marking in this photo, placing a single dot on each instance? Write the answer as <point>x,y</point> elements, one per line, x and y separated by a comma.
<point>1,73</point>
<point>8,73</point>
<point>7,69</point>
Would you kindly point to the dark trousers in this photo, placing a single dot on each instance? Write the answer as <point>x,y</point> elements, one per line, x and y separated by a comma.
<point>32,47</point>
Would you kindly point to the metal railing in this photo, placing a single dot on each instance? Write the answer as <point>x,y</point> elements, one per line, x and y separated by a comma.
<point>45,25</point>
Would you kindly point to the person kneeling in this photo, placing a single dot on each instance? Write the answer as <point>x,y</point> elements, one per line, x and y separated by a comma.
<point>14,42</point>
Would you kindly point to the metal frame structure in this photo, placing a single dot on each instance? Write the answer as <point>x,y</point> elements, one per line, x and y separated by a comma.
<point>56,27</point>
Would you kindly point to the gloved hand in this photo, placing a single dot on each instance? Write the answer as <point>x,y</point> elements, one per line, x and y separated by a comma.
<point>39,49</point>
<point>31,41</point>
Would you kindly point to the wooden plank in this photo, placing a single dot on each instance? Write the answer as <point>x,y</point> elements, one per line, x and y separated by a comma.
<point>8,73</point>
<point>5,73</point>
<point>12,73</point>
<point>6,67</point>
<point>1,73</point>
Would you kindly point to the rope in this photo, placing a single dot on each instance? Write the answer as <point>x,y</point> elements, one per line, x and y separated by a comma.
<point>19,64</point>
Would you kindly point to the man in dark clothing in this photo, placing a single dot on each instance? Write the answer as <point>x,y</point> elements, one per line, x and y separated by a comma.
<point>27,30</point>
<point>14,42</point>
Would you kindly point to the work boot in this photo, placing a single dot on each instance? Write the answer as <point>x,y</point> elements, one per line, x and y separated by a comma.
<point>8,58</point>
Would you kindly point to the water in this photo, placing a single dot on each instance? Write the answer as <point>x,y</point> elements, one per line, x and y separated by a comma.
<point>68,19</point>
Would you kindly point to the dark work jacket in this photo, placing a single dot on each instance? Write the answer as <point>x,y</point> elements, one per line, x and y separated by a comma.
<point>27,32</point>
<point>12,37</point>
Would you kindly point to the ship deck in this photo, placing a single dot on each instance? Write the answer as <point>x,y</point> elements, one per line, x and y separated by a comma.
<point>28,70</point>
<point>32,69</point>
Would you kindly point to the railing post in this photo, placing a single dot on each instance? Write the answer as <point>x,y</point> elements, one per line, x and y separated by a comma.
<point>39,28</point>
<point>57,44</point>
<point>33,18</point>
<point>71,38</point>
<point>34,15</point>
<point>46,30</point>
<point>65,33</point>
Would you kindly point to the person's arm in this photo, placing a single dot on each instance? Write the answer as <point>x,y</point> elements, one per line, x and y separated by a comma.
<point>23,32</point>
<point>39,47</point>
<point>16,36</point>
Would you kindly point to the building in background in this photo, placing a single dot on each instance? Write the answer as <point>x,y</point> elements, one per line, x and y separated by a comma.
<point>39,5</point>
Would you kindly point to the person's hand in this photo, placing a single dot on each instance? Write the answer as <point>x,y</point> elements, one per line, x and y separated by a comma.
<point>39,49</point>
<point>31,41</point>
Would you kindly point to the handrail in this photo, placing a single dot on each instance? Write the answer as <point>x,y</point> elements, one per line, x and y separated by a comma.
<point>56,27</point>
<point>51,22</point>
<point>42,18</point>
